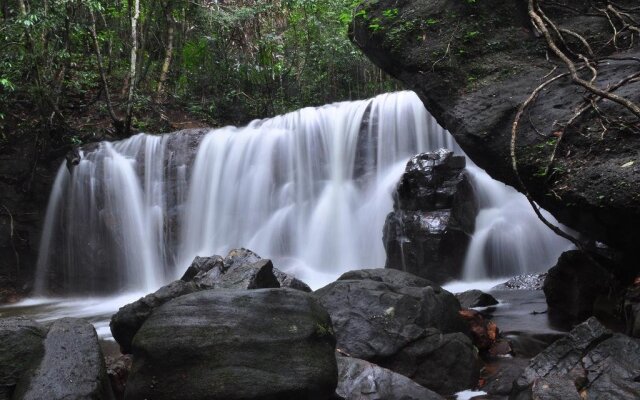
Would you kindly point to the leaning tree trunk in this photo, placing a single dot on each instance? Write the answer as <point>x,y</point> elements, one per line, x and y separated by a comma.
<point>117,123</point>
<point>168,56</point>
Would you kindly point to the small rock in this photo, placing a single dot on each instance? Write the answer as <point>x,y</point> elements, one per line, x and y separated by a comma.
<point>361,380</point>
<point>21,347</point>
<point>523,282</point>
<point>72,366</point>
<point>475,298</point>
<point>118,369</point>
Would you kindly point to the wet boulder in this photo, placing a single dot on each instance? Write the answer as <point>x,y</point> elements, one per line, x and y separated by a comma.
<point>590,362</point>
<point>578,286</point>
<point>430,228</point>
<point>362,380</point>
<point>240,344</point>
<point>129,318</point>
<point>72,366</point>
<point>475,298</point>
<point>241,269</point>
<point>21,348</point>
<point>413,330</point>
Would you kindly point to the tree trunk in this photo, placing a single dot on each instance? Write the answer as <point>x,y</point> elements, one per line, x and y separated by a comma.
<point>117,123</point>
<point>168,57</point>
<point>132,73</point>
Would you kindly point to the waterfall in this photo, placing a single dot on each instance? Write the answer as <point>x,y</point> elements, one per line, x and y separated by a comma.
<point>309,189</point>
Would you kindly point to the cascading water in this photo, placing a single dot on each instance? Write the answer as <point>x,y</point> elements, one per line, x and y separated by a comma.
<point>310,189</point>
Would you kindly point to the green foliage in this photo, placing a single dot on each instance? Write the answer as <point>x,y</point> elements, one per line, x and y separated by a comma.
<point>231,61</point>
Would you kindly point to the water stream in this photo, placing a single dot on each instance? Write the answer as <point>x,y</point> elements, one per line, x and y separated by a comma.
<point>309,189</point>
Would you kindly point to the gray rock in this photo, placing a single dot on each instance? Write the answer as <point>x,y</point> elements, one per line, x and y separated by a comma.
<point>237,257</point>
<point>444,363</point>
<point>596,362</point>
<point>475,298</point>
<point>21,348</point>
<point>72,367</point>
<point>200,266</point>
<point>498,379</point>
<point>289,281</point>
<point>257,275</point>
<point>129,318</point>
<point>254,344</point>
<point>554,388</point>
<point>408,329</point>
<point>430,228</point>
<point>241,269</point>
<point>389,276</point>
<point>574,286</point>
<point>361,380</point>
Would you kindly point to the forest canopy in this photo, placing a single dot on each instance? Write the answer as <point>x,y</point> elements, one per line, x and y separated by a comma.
<point>78,67</point>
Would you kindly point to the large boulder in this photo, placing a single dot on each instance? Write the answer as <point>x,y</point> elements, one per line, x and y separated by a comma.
<point>590,362</point>
<point>241,344</point>
<point>21,348</point>
<point>430,228</point>
<point>473,63</point>
<point>579,286</point>
<point>241,269</point>
<point>413,329</point>
<point>361,380</point>
<point>72,366</point>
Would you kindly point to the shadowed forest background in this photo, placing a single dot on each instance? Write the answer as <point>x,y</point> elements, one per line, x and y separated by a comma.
<point>81,70</point>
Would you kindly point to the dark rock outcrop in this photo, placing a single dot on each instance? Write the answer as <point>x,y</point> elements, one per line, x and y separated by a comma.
<point>412,329</point>
<point>21,347</point>
<point>591,362</point>
<point>72,366</point>
<point>361,380</point>
<point>475,298</point>
<point>241,269</point>
<point>240,344</point>
<point>27,171</point>
<point>430,228</point>
<point>578,286</point>
<point>473,63</point>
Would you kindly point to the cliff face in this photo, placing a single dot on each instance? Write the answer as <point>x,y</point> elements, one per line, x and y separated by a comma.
<point>474,62</point>
<point>26,175</point>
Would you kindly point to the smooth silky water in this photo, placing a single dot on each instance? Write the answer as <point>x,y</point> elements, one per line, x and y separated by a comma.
<point>309,189</point>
